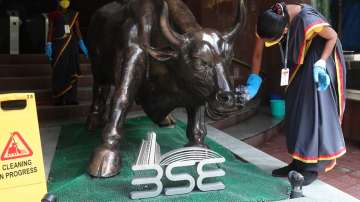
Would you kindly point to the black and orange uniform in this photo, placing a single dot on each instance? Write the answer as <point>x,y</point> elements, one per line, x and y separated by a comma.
<point>64,33</point>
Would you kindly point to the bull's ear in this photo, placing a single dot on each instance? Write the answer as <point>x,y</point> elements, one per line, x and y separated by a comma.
<point>163,54</point>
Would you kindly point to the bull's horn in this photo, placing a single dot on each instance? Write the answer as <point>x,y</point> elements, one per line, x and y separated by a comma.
<point>240,22</point>
<point>174,38</point>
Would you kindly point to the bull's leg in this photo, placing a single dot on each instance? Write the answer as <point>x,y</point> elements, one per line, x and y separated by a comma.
<point>96,117</point>
<point>92,119</point>
<point>105,161</point>
<point>196,128</point>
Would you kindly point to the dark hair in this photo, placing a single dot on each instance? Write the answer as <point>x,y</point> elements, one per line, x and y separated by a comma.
<point>272,22</point>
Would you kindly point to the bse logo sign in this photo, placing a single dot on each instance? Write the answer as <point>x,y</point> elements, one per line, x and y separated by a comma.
<point>149,159</point>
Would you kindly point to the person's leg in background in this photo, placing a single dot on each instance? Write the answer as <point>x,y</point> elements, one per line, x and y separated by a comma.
<point>70,97</point>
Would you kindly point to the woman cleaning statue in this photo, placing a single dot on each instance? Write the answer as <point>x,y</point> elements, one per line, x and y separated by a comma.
<point>315,99</point>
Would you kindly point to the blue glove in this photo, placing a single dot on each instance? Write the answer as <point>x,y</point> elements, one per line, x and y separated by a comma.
<point>321,77</point>
<point>253,85</point>
<point>48,50</point>
<point>83,48</point>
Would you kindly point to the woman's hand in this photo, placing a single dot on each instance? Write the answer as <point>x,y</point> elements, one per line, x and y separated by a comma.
<point>253,85</point>
<point>83,48</point>
<point>321,77</point>
<point>48,50</point>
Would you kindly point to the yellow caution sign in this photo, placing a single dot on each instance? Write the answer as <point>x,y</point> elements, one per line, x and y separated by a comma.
<point>22,174</point>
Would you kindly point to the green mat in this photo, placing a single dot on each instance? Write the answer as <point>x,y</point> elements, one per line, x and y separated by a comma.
<point>69,182</point>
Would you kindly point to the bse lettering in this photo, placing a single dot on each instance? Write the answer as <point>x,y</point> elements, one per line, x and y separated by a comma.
<point>149,159</point>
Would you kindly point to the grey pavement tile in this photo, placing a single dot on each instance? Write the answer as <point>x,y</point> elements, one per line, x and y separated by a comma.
<point>49,137</point>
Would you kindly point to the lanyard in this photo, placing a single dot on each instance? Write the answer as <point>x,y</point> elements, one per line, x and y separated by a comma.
<point>285,70</point>
<point>284,57</point>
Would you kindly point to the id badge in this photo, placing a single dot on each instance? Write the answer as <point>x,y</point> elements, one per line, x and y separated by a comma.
<point>284,77</point>
<point>67,29</point>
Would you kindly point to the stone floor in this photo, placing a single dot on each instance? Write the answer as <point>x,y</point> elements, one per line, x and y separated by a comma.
<point>345,176</point>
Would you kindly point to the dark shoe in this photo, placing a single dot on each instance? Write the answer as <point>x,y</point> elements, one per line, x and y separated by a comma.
<point>284,171</point>
<point>309,177</point>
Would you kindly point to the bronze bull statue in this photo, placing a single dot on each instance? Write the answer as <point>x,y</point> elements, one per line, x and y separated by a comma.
<point>184,70</point>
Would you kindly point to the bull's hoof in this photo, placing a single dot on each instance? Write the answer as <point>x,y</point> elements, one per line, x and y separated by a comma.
<point>168,122</point>
<point>93,122</point>
<point>193,144</point>
<point>104,162</point>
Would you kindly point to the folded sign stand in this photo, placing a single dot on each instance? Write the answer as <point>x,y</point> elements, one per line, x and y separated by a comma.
<point>22,175</point>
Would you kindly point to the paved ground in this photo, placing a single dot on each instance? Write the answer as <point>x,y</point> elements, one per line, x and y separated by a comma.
<point>313,193</point>
<point>345,176</point>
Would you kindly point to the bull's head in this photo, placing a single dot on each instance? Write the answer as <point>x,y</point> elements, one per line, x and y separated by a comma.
<point>203,58</point>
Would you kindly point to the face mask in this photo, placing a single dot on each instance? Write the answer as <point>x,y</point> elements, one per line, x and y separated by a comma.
<point>273,42</point>
<point>269,43</point>
<point>64,4</point>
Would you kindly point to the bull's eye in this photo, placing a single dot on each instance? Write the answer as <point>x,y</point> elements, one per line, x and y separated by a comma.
<point>201,65</point>
<point>205,64</point>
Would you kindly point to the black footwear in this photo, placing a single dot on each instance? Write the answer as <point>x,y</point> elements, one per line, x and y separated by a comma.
<point>309,177</point>
<point>284,171</point>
